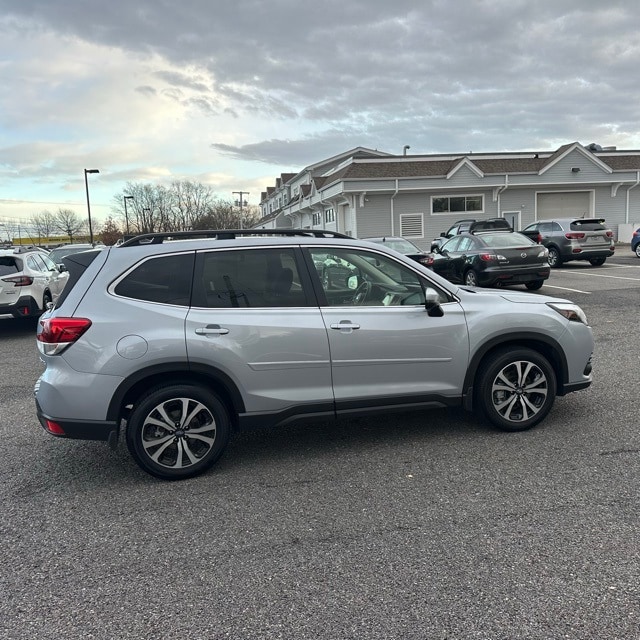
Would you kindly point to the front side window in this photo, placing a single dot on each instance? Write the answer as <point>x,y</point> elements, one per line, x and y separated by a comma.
<point>248,278</point>
<point>359,277</point>
<point>164,279</point>
<point>456,204</point>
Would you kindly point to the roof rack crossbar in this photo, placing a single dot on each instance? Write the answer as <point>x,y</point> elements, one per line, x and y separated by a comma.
<point>227,234</point>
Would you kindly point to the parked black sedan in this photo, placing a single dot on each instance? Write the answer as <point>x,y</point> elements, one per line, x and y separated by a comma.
<point>491,258</point>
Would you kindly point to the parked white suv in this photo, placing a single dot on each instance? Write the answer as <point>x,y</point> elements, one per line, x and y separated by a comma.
<point>29,280</point>
<point>183,338</point>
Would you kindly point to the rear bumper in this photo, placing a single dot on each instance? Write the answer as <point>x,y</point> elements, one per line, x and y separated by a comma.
<point>489,278</point>
<point>23,306</point>
<point>105,431</point>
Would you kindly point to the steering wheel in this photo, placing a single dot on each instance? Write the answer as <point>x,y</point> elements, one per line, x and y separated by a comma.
<point>362,292</point>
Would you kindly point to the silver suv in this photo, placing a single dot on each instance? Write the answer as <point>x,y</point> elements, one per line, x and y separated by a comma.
<point>573,239</point>
<point>182,339</point>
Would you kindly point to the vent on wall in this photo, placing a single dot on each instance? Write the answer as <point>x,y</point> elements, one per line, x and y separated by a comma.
<point>411,225</point>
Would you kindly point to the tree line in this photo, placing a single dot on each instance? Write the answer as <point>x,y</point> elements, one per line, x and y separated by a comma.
<point>146,208</point>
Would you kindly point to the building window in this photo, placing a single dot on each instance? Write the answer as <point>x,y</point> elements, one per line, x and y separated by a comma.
<point>457,204</point>
<point>317,219</point>
<point>329,215</point>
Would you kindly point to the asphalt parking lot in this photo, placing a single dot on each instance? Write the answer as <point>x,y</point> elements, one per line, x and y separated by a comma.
<point>425,526</point>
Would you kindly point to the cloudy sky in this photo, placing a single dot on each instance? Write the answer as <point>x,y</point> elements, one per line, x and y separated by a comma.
<point>232,93</point>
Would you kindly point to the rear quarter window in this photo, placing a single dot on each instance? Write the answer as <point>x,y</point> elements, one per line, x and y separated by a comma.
<point>165,279</point>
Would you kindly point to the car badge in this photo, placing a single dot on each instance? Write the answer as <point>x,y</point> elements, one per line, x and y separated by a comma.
<point>523,255</point>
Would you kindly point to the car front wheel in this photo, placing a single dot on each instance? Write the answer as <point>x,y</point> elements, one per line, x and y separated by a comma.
<point>178,431</point>
<point>638,250</point>
<point>516,388</point>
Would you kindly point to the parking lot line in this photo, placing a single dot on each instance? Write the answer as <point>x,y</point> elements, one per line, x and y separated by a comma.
<point>599,275</point>
<point>550,286</point>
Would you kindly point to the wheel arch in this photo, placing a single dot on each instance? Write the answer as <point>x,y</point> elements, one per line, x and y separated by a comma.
<point>544,345</point>
<point>209,377</point>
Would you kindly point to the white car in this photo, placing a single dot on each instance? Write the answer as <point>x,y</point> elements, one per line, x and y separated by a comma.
<point>29,280</point>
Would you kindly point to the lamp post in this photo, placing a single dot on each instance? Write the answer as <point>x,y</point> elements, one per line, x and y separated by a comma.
<point>86,186</point>
<point>126,215</point>
<point>240,201</point>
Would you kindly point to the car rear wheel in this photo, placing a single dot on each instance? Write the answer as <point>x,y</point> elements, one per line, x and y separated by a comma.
<point>637,251</point>
<point>597,262</point>
<point>471,278</point>
<point>46,299</point>
<point>554,258</point>
<point>516,389</point>
<point>535,285</point>
<point>178,431</point>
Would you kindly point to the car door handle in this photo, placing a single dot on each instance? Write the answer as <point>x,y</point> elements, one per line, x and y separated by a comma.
<point>212,330</point>
<point>345,325</point>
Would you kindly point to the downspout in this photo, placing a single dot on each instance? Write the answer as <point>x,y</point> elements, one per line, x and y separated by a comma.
<point>392,210</point>
<point>633,186</point>
<point>503,188</point>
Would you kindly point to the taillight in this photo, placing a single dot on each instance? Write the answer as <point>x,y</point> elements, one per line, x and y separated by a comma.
<point>636,234</point>
<point>487,257</point>
<point>19,281</point>
<point>574,235</point>
<point>610,234</point>
<point>59,333</point>
<point>427,261</point>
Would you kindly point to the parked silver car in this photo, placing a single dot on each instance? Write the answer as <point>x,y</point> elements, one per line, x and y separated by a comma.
<point>573,239</point>
<point>183,338</point>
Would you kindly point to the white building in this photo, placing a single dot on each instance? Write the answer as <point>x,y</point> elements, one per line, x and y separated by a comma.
<point>366,193</point>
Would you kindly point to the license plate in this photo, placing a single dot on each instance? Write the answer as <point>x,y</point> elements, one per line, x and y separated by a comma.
<point>595,239</point>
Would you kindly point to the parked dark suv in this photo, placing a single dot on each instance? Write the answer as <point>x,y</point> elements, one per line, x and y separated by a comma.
<point>468,224</point>
<point>573,239</point>
<point>180,339</point>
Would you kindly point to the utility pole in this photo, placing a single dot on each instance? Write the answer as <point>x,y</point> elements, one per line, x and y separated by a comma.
<point>240,201</point>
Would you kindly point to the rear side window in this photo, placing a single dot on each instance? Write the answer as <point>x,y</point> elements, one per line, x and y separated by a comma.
<point>165,279</point>
<point>9,266</point>
<point>248,278</point>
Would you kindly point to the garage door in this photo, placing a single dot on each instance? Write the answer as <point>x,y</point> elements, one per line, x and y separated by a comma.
<point>563,205</point>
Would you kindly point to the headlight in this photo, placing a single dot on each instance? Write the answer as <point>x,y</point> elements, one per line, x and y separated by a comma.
<point>570,311</point>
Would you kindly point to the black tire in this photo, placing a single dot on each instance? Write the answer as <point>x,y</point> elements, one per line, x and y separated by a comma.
<point>554,258</point>
<point>597,262</point>
<point>178,449</point>
<point>46,299</point>
<point>534,285</point>
<point>471,278</point>
<point>637,251</point>
<point>516,388</point>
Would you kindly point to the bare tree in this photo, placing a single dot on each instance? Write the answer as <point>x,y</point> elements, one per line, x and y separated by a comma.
<point>44,223</point>
<point>68,223</point>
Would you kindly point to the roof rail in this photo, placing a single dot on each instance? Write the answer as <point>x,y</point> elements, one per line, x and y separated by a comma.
<point>227,234</point>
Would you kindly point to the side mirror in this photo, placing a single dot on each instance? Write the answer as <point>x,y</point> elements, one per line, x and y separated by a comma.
<point>432,303</point>
<point>61,268</point>
<point>443,234</point>
<point>435,247</point>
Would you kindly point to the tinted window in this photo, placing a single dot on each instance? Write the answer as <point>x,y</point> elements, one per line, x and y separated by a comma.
<point>165,279</point>
<point>8,266</point>
<point>588,225</point>
<point>248,278</point>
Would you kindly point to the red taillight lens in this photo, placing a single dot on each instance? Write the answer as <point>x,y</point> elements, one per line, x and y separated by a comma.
<point>54,428</point>
<point>62,331</point>
<point>487,257</point>
<point>574,235</point>
<point>610,234</point>
<point>19,281</point>
<point>636,234</point>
